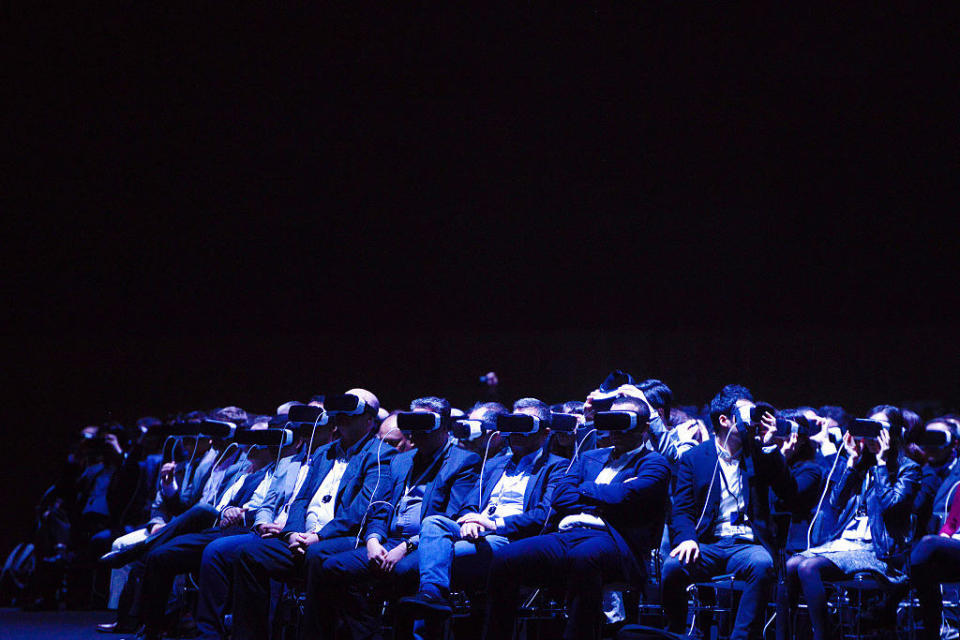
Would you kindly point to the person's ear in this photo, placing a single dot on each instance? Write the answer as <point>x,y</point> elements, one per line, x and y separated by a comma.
<point>725,422</point>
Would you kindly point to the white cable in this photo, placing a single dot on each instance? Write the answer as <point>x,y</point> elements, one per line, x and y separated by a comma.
<point>826,488</point>
<point>482,465</point>
<point>576,449</point>
<point>712,476</point>
<point>376,486</point>
<point>767,626</point>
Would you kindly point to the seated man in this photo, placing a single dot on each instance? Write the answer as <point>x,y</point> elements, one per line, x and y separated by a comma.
<point>720,521</point>
<point>269,520</point>
<point>346,477</point>
<point>177,547</point>
<point>436,478</point>
<point>511,504</point>
<point>611,508</point>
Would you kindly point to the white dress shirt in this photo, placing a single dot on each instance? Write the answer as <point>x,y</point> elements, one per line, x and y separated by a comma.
<point>320,510</point>
<point>732,500</point>
<point>507,498</point>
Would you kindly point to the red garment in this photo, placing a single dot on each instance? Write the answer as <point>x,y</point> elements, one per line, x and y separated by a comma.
<point>952,523</point>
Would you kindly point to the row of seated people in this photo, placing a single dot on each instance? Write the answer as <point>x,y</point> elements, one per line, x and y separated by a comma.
<point>411,512</point>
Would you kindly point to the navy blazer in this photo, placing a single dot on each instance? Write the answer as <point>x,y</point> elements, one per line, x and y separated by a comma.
<point>546,473</point>
<point>445,494</point>
<point>810,482</point>
<point>633,504</point>
<point>699,471</point>
<point>365,480</point>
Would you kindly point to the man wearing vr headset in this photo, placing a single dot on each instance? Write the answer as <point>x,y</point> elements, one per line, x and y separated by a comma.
<point>512,503</point>
<point>434,479</point>
<point>610,507</point>
<point>345,477</point>
<point>216,562</point>
<point>176,547</point>
<point>720,521</point>
<point>483,438</point>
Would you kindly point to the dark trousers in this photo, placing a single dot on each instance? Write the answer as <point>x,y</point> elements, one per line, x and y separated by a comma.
<point>580,559</point>
<point>163,563</point>
<point>751,562</point>
<point>934,560</point>
<point>194,520</point>
<point>336,586</point>
<point>258,560</point>
<point>216,584</point>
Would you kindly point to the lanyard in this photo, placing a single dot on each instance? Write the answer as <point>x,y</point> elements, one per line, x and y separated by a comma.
<point>736,496</point>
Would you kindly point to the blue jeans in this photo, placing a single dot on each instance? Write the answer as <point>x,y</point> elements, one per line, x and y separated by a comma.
<point>750,562</point>
<point>441,548</point>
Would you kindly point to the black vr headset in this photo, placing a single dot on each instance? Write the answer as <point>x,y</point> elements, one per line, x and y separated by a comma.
<point>520,423</point>
<point>423,421</point>
<point>208,428</point>
<point>617,421</point>
<point>264,437</point>
<point>862,429</point>
<point>346,404</point>
<point>564,422</point>
<point>467,429</point>
<point>933,438</point>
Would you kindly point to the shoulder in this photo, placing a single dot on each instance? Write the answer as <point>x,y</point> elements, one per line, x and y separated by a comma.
<point>553,460</point>
<point>653,460</point>
<point>403,458</point>
<point>462,457</point>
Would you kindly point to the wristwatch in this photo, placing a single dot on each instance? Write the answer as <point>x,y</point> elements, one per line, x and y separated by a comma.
<point>411,547</point>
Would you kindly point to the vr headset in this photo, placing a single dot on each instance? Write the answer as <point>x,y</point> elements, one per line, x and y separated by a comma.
<point>519,423</point>
<point>616,421</point>
<point>564,422</point>
<point>207,429</point>
<point>933,438</point>
<point>467,429</point>
<point>862,429</point>
<point>302,414</point>
<point>786,428</point>
<point>264,437</point>
<point>423,421</point>
<point>347,404</point>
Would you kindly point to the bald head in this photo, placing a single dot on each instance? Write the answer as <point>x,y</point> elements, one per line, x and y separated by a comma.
<point>368,398</point>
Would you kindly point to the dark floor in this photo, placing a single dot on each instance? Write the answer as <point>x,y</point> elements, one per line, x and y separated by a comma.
<point>54,625</point>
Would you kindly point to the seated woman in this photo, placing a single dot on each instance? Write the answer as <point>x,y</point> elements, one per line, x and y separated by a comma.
<point>869,499</point>
<point>936,559</point>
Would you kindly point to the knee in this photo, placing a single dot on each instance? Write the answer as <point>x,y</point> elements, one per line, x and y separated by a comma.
<point>924,551</point>
<point>807,570</point>
<point>762,567</point>
<point>435,526</point>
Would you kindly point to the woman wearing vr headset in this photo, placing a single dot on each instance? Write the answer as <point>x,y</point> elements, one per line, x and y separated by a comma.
<point>936,558</point>
<point>864,513</point>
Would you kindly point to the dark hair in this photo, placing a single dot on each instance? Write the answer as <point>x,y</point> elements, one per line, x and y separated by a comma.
<point>254,419</point>
<point>541,408</point>
<point>639,406</point>
<point>488,413</point>
<point>912,424</point>
<point>658,394</point>
<point>805,450</point>
<point>895,417</point>
<point>230,414</point>
<point>440,406</point>
<point>835,413</point>
<point>318,398</point>
<point>573,406</point>
<point>724,402</point>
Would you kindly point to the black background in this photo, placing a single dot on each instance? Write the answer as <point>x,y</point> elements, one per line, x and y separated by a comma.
<point>247,206</point>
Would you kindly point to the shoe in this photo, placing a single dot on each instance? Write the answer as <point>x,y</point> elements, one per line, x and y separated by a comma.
<point>426,604</point>
<point>122,557</point>
<point>117,627</point>
<point>145,633</point>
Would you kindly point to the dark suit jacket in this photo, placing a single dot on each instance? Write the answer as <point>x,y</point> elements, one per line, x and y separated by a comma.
<point>536,498</point>
<point>810,480</point>
<point>633,504</point>
<point>446,492</point>
<point>699,471</point>
<point>365,480</point>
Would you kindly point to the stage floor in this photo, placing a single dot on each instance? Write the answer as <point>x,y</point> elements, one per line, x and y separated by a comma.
<point>54,625</point>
